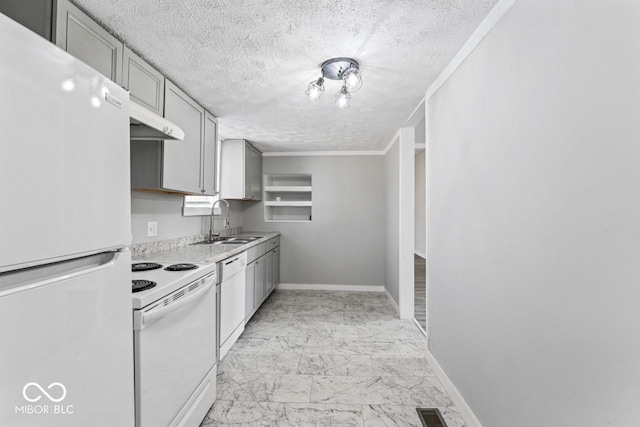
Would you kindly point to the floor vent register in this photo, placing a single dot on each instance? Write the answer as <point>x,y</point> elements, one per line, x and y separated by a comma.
<point>431,417</point>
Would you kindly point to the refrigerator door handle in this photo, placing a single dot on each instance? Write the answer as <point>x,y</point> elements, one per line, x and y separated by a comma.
<point>36,277</point>
<point>145,318</point>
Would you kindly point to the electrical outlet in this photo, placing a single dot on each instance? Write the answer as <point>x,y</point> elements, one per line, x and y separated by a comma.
<point>152,228</point>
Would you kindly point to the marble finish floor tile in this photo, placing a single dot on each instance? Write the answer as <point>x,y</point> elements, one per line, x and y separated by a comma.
<point>310,414</point>
<point>370,347</point>
<point>255,387</point>
<point>322,358</point>
<point>388,329</point>
<point>297,344</point>
<point>336,390</point>
<point>401,366</point>
<point>335,364</point>
<point>264,363</point>
<point>250,344</point>
<point>234,413</point>
<point>390,416</point>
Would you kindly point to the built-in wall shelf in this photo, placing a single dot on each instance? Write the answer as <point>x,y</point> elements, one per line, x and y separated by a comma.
<point>287,197</point>
<point>288,203</point>
<point>288,189</point>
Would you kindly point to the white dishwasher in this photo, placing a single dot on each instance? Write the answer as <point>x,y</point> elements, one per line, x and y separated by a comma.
<point>233,273</point>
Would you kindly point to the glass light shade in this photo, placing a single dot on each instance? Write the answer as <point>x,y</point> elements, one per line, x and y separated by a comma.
<point>352,79</point>
<point>316,89</point>
<point>343,98</point>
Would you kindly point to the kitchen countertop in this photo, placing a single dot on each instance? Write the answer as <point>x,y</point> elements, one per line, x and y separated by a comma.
<point>205,254</point>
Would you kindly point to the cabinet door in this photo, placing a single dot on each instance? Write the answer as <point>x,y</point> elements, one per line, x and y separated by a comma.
<point>269,272</point>
<point>249,290</point>
<point>33,14</point>
<point>260,286</point>
<point>209,150</point>
<point>181,159</point>
<point>144,82</point>
<point>276,267</point>
<point>255,180</point>
<point>86,40</point>
<point>247,171</point>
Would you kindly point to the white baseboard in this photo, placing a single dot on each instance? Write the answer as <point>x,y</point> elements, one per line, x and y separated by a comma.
<point>420,327</point>
<point>393,302</point>
<point>420,254</point>
<point>321,287</point>
<point>470,419</point>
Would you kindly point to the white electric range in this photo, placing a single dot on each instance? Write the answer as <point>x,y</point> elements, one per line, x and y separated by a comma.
<point>174,323</point>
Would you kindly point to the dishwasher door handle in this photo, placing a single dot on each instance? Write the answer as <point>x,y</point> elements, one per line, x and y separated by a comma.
<point>148,317</point>
<point>232,267</point>
<point>242,262</point>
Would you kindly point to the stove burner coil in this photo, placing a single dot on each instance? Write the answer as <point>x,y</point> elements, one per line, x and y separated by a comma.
<point>145,266</point>
<point>181,267</point>
<point>141,285</point>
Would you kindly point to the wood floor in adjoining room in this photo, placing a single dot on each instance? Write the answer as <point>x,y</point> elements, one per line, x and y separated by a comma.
<point>327,358</point>
<point>420,291</point>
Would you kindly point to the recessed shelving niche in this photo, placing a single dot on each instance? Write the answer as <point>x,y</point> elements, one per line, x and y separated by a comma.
<point>287,197</point>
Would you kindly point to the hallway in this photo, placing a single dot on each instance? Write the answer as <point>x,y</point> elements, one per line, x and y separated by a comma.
<point>328,358</point>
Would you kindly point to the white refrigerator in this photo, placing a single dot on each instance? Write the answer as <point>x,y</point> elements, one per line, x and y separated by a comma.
<point>66,354</point>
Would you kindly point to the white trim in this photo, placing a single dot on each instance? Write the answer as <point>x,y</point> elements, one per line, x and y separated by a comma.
<point>478,35</point>
<point>406,222</point>
<point>426,212</point>
<point>321,287</point>
<point>416,115</point>
<point>420,327</point>
<point>470,419</point>
<point>393,302</point>
<point>420,254</point>
<point>420,146</point>
<point>322,153</point>
<point>390,144</point>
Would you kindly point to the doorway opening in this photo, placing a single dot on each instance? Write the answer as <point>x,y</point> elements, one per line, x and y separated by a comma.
<point>420,223</point>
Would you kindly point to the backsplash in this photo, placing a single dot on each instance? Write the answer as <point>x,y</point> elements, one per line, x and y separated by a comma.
<point>160,245</point>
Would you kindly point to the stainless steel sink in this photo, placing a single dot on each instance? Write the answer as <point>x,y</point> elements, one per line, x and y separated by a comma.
<point>229,240</point>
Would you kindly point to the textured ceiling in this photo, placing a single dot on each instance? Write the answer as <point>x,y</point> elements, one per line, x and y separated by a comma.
<point>249,61</point>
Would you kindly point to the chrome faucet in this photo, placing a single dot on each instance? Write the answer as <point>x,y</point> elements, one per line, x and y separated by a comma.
<point>212,235</point>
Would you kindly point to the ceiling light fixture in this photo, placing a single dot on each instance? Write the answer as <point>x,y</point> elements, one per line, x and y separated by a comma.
<point>345,69</point>
<point>316,89</point>
<point>343,98</point>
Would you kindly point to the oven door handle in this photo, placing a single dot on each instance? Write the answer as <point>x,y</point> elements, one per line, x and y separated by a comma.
<point>148,317</point>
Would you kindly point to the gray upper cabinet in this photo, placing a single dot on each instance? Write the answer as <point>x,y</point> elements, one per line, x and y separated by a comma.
<point>144,82</point>
<point>71,29</point>
<point>241,170</point>
<point>209,153</point>
<point>255,174</point>
<point>82,37</point>
<point>187,166</point>
<point>182,159</point>
<point>36,15</point>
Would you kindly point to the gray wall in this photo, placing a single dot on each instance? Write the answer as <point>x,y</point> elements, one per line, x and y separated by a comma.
<point>166,209</point>
<point>392,219</point>
<point>534,218</point>
<point>420,228</point>
<point>344,242</point>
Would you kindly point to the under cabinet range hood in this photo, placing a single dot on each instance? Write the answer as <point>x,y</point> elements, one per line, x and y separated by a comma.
<point>145,125</point>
